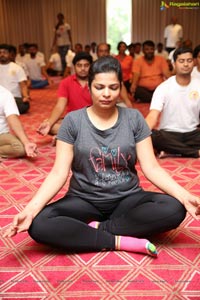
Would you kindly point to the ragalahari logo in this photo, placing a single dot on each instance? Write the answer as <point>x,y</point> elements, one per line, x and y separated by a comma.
<point>180,5</point>
<point>163,5</point>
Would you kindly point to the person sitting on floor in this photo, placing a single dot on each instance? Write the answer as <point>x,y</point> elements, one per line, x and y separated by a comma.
<point>17,145</point>
<point>69,70</point>
<point>54,65</point>
<point>73,94</point>
<point>160,51</point>
<point>37,69</point>
<point>105,208</point>
<point>196,68</point>
<point>13,78</point>
<point>148,72</point>
<point>126,62</point>
<point>176,106</point>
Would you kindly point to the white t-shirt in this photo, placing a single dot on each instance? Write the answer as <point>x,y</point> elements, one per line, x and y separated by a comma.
<point>34,66</point>
<point>195,73</point>
<point>179,105</point>
<point>62,35</point>
<point>69,58</point>
<point>164,53</point>
<point>11,75</point>
<point>7,107</point>
<point>56,60</point>
<point>20,58</point>
<point>173,33</point>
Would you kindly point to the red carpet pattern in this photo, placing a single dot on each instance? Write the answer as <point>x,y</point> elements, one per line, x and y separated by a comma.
<point>32,271</point>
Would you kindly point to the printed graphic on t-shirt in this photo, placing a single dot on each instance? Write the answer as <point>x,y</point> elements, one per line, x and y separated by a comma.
<point>110,166</point>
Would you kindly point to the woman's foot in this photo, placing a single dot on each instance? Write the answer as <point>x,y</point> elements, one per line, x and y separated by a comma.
<point>131,244</point>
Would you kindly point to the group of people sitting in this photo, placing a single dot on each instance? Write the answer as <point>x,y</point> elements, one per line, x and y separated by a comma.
<point>105,208</point>
<point>172,133</point>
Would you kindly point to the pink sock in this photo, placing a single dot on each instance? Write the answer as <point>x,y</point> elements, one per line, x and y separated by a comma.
<point>131,244</point>
<point>94,224</point>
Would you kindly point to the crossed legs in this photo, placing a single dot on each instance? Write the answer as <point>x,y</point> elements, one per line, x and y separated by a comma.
<point>64,224</point>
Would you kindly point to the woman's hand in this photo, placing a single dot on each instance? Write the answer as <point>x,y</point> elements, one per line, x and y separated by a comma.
<point>192,205</point>
<point>21,222</point>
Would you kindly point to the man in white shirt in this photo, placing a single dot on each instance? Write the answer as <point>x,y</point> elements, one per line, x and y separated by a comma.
<point>172,33</point>
<point>17,145</point>
<point>37,69</point>
<point>176,107</point>
<point>196,56</point>
<point>54,66</point>
<point>13,78</point>
<point>69,59</point>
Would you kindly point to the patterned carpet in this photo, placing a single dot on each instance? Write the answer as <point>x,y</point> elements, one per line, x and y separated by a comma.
<point>32,271</point>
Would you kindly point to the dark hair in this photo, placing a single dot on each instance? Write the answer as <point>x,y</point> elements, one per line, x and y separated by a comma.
<point>148,43</point>
<point>5,47</point>
<point>160,45</point>
<point>106,64</point>
<point>180,51</point>
<point>13,49</point>
<point>82,55</point>
<point>60,15</point>
<point>121,43</point>
<point>196,51</point>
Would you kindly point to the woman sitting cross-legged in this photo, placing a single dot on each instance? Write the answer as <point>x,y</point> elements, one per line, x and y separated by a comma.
<point>105,208</point>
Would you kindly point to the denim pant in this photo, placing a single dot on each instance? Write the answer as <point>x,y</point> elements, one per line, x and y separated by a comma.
<point>39,84</point>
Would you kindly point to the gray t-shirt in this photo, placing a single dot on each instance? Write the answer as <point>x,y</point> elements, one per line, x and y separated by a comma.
<point>103,168</point>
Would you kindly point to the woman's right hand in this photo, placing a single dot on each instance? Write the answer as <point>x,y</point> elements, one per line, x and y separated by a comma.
<point>21,222</point>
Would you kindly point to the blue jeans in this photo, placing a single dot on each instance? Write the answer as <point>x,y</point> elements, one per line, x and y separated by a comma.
<point>39,84</point>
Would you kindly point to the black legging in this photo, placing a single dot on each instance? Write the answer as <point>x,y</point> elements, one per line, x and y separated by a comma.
<point>63,224</point>
<point>186,144</point>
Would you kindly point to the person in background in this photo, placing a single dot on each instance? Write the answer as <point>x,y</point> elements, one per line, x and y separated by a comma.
<point>93,50</point>
<point>196,68</point>
<point>37,69</point>
<point>131,50</point>
<point>138,50</point>
<point>161,52</point>
<point>172,34</point>
<point>126,62</point>
<point>176,107</point>
<point>73,94</point>
<point>17,144</point>
<point>179,44</point>
<point>22,54</point>
<point>14,79</point>
<point>87,48</point>
<point>62,38</point>
<point>69,58</point>
<point>105,208</point>
<point>54,65</point>
<point>148,72</point>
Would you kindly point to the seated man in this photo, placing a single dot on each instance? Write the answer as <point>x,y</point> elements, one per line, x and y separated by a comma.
<point>17,145</point>
<point>73,94</point>
<point>176,106</point>
<point>69,70</point>
<point>37,68</point>
<point>148,72</point>
<point>54,65</point>
<point>13,78</point>
<point>196,56</point>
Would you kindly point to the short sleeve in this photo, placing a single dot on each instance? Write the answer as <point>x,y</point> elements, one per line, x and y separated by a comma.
<point>68,130</point>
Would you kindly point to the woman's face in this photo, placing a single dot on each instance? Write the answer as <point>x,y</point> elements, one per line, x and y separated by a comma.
<point>122,48</point>
<point>105,90</point>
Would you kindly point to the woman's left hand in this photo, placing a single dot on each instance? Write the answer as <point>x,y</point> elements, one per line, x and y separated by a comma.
<point>192,205</point>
